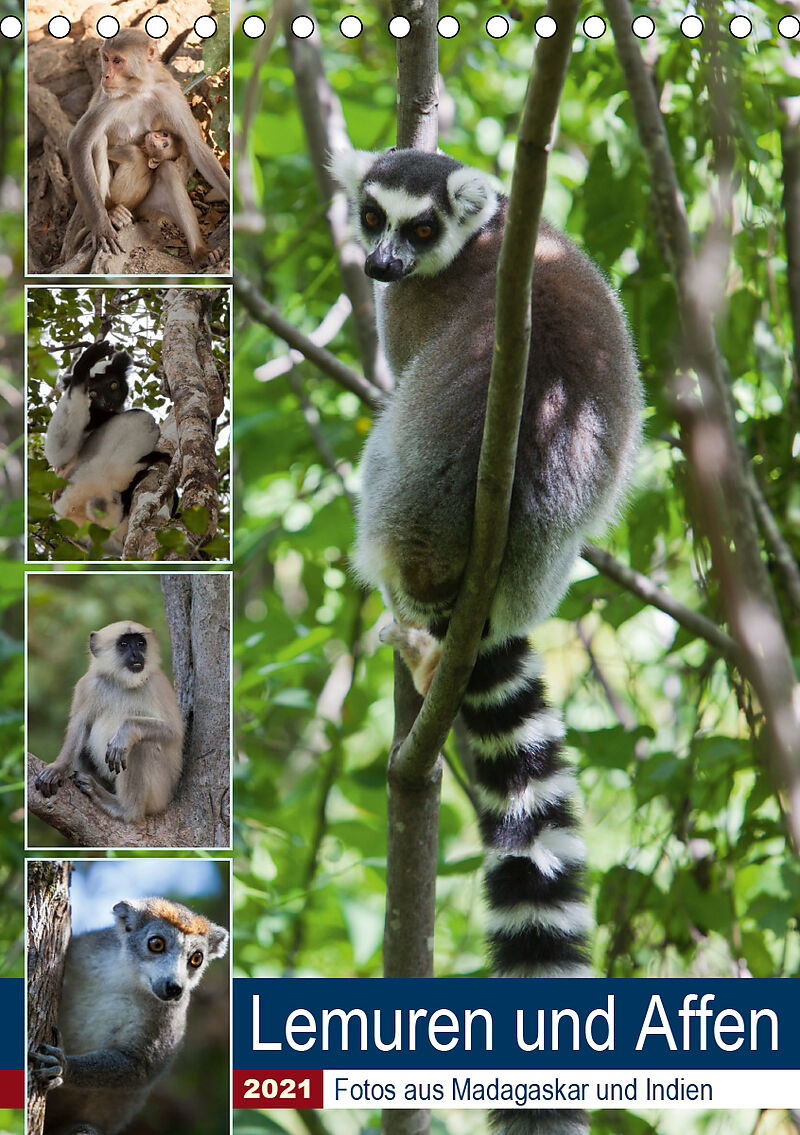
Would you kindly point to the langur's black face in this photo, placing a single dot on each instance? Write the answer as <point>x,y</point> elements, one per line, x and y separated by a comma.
<point>131,651</point>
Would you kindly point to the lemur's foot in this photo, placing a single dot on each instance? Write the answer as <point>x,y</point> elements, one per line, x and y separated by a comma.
<point>419,650</point>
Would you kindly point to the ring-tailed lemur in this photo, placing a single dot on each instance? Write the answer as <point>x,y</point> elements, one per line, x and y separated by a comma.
<point>122,1016</point>
<point>432,229</point>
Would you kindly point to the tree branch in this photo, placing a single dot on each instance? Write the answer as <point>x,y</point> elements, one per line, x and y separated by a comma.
<point>504,402</point>
<point>418,75</point>
<point>717,463</point>
<point>644,588</point>
<point>326,133</point>
<point>265,313</point>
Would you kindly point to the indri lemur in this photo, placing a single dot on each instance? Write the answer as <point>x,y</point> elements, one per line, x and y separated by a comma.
<point>122,1015</point>
<point>99,448</point>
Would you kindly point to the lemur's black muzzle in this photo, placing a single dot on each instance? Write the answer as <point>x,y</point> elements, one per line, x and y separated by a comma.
<point>382,265</point>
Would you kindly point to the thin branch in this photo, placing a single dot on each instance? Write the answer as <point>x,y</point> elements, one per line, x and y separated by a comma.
<point>418,75</point>
<point>265,313</point>
<point>716,460</point>
<point>643,587</point>
<point>326,134</point>
<point>504,401</point>
<point>621,710</point>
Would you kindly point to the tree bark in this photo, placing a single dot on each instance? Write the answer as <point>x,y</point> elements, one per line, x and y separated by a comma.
<point>197,607</point>
<point>418,76</point>
<point>198,399</point>
<point>48,938</point>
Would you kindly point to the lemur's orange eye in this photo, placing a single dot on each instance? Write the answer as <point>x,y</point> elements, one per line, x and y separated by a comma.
<point>196,959</point>
<point>423,231</point>
<point>156,945</point>
<point>372,219</point>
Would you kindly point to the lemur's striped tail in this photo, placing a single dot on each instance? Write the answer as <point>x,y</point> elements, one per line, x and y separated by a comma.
<point>539,920</point>
<point>538,917</point>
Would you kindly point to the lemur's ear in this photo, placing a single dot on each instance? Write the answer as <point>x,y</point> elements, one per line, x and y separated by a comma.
<point>349,167</point>
<point>469,191</point>
<point>217,940</point>
<point>125,915</point>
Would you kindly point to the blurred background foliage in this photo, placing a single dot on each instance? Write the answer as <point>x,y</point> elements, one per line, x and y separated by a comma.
<point>12,236</point>
<point>690,872</point>
<point>689,868</point>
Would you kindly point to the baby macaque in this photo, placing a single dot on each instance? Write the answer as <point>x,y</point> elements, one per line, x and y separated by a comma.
<point>133,174</point>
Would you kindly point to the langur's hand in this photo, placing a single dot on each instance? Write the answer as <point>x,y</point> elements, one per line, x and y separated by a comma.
<point>48,781</point>
<point>117,752</point>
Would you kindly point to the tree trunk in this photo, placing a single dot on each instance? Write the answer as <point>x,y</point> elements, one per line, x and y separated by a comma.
<point>198,610</point>
<point>48,938</point>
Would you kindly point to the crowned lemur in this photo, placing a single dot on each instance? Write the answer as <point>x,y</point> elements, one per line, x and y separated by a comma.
<point>432,230</point>
<point>122,1017</point>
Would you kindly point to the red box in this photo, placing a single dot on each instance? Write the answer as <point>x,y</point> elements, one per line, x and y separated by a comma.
<point>277,1088</point>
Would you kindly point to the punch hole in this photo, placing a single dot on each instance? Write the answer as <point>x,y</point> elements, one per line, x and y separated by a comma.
<point>448,27</point>
<point>692,27</point>
<point>156,27</point>
<point>545,27</point>
<point>302,26</point>
<point>253,27</point>
<point>497,27</point>
<point>643,27</point>
<point>205,27</point>
<point>351,27</point>
<point>59,27</point>
<point>399,27</point>
<point>789,27</point>
<point>107,27</point>
<point>740,27</point>
<point>594,27</point>
<point>11,26</point>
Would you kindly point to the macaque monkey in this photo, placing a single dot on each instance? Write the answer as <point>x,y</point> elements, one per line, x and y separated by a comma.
<point>137,97</point>
<point>133,176</point>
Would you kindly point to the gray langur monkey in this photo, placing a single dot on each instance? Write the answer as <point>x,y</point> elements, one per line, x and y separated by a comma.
<point>122,1016</point>
<point>124,740</point>
<point>432,230</point>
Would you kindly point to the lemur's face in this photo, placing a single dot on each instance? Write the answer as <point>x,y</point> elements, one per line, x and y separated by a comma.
<point>168,954</point>
<point>414,212</point>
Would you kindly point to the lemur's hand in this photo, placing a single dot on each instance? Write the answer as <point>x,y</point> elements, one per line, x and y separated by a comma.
<point>48,1064</point>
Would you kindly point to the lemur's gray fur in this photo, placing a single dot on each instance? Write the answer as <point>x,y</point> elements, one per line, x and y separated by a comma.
<point>432,230</point>
<point>122,1017</point>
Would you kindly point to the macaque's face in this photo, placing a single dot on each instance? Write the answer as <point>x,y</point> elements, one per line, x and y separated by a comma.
<point>161,145</point>
<point>116,72</point>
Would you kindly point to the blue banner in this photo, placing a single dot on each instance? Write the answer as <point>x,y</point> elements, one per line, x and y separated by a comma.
<point>466,1023</point>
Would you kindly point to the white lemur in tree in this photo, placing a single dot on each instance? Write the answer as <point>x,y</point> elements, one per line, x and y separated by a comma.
<point>432,230</point>
<point>124,741</point>
<point>122,1016</point>
<point>101,450</point>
